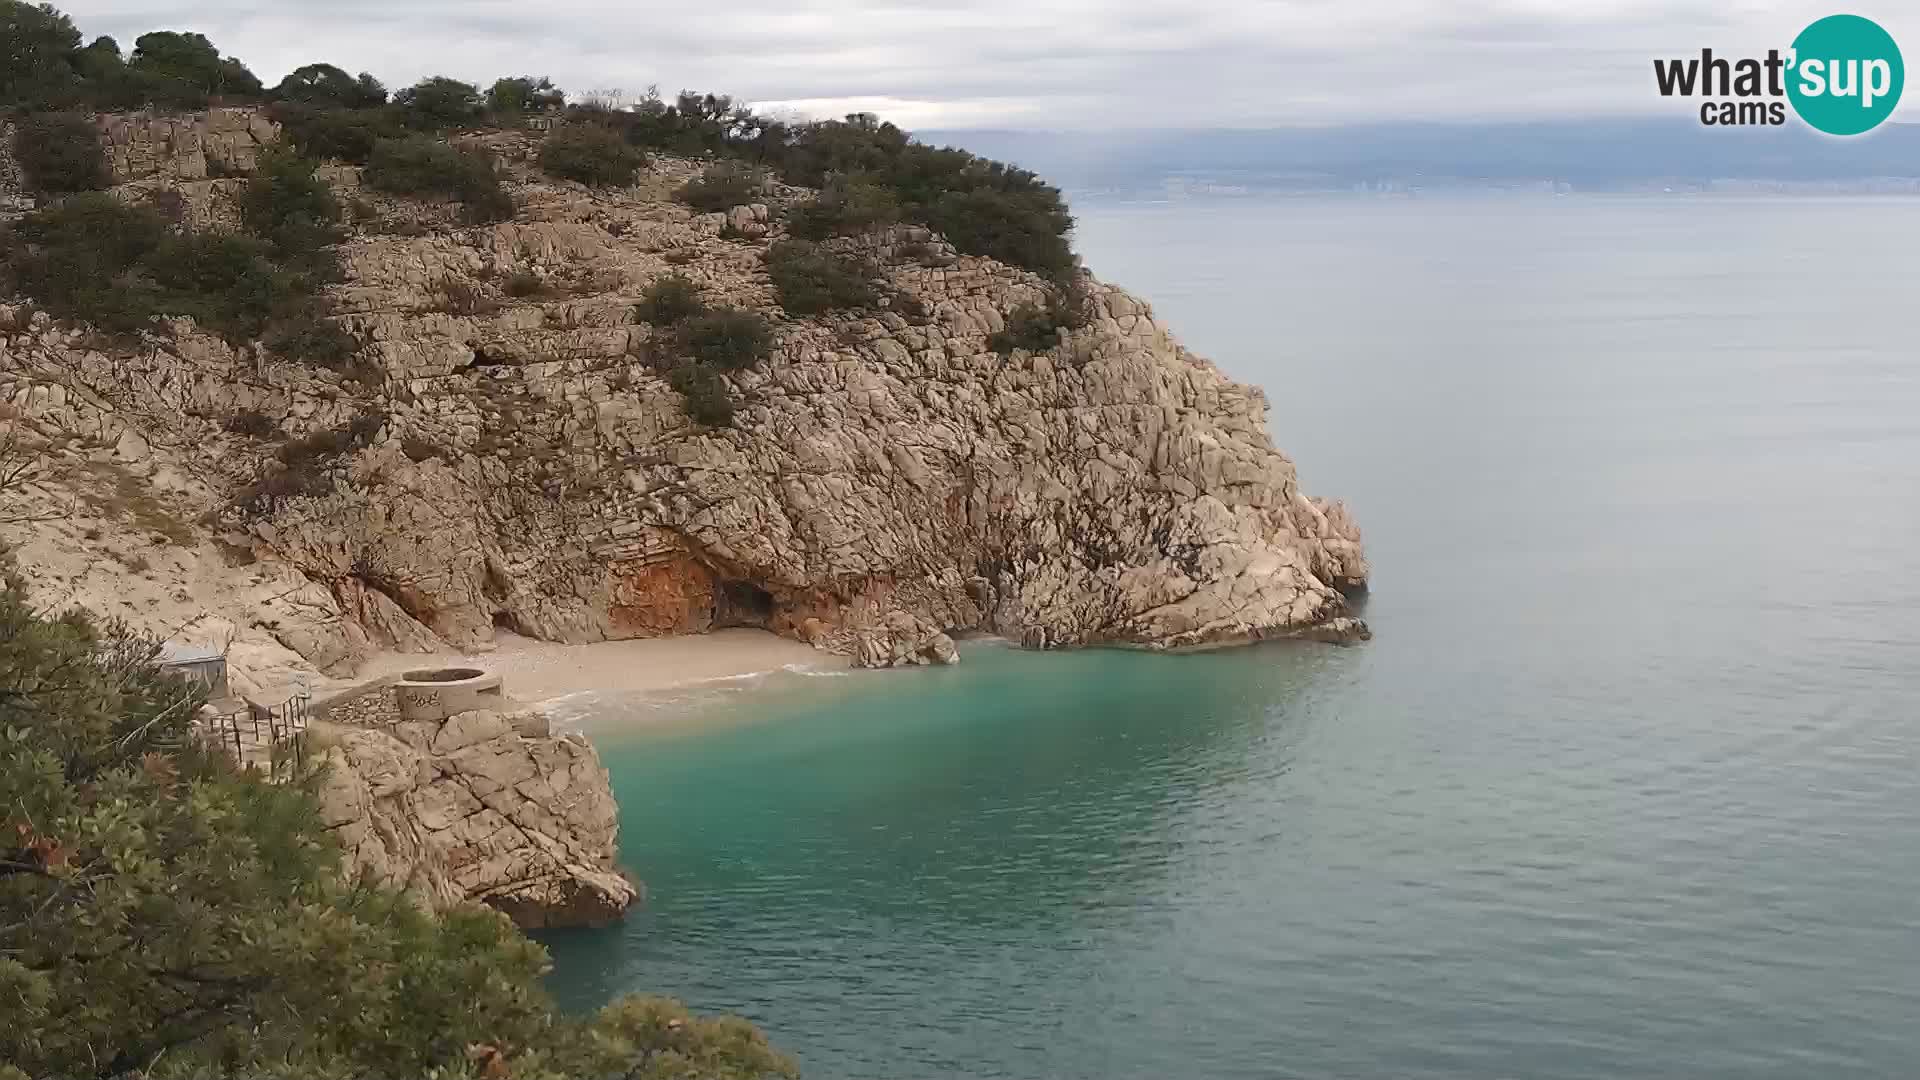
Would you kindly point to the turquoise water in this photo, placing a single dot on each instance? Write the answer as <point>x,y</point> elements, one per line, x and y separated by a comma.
<point>1627,784</point>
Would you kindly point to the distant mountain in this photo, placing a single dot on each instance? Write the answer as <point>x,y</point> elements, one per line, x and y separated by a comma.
<point>1587,155</point>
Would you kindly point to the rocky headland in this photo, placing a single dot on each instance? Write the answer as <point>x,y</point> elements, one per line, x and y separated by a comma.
<point>890,479</point>
<point>506,452</point>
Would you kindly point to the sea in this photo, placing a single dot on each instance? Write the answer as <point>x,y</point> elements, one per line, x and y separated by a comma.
<point>1627,783</point>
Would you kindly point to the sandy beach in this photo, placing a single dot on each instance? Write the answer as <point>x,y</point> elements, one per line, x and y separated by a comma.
<point>536,671</point>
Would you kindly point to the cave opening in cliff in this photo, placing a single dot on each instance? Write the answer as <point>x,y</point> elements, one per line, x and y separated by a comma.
<point>742,603</point>
<point>503,620</point>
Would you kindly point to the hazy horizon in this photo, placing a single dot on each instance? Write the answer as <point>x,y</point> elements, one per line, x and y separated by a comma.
<point>1030,66</point>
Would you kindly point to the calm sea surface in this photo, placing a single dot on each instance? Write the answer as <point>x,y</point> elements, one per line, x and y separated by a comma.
<point>1627,784</point>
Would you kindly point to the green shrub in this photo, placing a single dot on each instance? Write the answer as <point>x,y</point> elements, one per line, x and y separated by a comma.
<point>1028,327</point>
<point>60,153</point>
<point>96,259</point>
<point>729,338</point>
<point>421,166</point>
<point>709,398</point>
<point>810,279</point>
<point>1022,228</point>
<point>251,423</point>
<point>845,207</point>
<point>592,154</point>
<point>669,299</point>
<point>80,260</point>
<point>327,444</point>
<point>288,206</point>
<point>984,207</point>
<point>310,337</point>
<point>339,134</point>
<point>227,282</point>
<point>524,283</point>
<point>301,466</point>
<point>1036,327</point>
<point>164,913</point>
<point>724,185</point>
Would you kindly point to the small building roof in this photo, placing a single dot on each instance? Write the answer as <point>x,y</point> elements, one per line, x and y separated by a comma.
<point>172,654</point>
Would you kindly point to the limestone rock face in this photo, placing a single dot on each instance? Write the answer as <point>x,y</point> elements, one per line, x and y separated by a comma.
<point>889,479</point>
<point>187,146</point>
<point>471,810</point>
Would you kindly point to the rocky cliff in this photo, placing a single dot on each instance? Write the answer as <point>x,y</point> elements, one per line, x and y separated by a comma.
<point>889,479</point>
<point>478,807</point>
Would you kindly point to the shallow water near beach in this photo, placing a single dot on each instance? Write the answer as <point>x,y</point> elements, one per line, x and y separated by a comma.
<point>1627,784</point>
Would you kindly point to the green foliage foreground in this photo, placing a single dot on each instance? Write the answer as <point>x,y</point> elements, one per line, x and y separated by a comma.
<point>163,914</point>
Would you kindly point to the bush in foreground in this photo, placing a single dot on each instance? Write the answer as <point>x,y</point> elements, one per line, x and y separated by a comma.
<point>166,915</point>
<point>593,155</point>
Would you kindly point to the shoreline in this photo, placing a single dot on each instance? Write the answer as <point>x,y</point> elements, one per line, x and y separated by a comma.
<point>539,672</point>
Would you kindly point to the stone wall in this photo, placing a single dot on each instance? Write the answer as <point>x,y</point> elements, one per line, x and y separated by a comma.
<point>371,704</point>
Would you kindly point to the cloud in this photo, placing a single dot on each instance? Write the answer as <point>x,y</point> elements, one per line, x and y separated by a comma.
<point>1038,64</point>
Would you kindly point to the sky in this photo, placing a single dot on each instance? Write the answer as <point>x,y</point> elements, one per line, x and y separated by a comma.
<point>1033,64</point>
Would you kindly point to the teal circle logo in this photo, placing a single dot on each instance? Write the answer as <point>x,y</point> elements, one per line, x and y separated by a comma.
<point>1846,75</point>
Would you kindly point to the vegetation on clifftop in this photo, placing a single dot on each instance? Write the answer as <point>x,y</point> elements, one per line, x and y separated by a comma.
<point>120,266</point>
<point>983,207</point>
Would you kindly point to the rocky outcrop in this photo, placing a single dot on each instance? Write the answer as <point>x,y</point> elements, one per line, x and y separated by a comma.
<point>889,480</point>
<point>185,146</point>
<point>482,808</point>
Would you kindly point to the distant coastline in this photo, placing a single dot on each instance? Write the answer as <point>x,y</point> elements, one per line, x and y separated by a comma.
<point>1615,155</point>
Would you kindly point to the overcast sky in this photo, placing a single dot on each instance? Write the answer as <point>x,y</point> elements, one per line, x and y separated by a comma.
<point>1047,64</point>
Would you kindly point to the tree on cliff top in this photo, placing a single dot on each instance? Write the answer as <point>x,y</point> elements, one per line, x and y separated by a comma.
<point>524,93</point>
<point>324,84</point>
<point>37,44</point>
<point>438,103</point>
<point>185,70</point>
<point>163,914</point>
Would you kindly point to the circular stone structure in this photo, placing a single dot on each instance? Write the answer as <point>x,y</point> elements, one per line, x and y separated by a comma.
<point>437,693</point>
